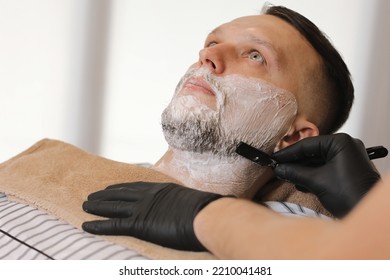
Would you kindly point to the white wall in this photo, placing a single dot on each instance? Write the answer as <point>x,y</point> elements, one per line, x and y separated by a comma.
<point>98,73</point>
<point>38,54</point>
<point>51,68</point>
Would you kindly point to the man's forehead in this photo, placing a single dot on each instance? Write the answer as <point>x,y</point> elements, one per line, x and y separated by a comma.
<point>271,30</point>
<point>260,22</point>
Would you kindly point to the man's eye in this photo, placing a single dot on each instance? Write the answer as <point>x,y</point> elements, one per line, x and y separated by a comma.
<point>256,56</point>
<point>211,44</point>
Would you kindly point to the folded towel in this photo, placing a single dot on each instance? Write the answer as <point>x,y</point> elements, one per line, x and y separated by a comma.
<point>58,177</point>
<point>277,190</point>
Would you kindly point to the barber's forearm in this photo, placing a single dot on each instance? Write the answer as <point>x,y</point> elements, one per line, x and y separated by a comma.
<point>218,231</point>
<point>238,229</point>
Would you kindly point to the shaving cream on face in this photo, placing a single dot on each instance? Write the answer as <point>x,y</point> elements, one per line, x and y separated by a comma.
<point>247,109</point>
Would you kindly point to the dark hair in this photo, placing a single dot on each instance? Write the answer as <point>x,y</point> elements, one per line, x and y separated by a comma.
<point>337,75</point>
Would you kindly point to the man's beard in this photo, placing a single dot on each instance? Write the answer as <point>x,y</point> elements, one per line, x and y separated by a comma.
<point>195,134</point>
<point>190,125</point>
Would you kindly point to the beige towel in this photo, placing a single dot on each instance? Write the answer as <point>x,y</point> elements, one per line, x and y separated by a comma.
<point>58,177</point>
<point>277,190</point>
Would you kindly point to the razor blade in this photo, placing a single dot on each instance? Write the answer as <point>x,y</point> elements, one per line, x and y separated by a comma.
<point>255,155</point>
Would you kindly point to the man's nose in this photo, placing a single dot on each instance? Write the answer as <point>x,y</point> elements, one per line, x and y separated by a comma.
<point>213,58</point>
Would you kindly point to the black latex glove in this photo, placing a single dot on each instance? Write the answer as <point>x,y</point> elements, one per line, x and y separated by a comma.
<point>162,213</point>
<point>336,168</point>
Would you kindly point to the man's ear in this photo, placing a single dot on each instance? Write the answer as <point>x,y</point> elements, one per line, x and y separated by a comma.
<point>300,129</point>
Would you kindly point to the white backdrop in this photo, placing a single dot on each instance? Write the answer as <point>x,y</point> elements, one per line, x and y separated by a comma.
<point>98,73</point>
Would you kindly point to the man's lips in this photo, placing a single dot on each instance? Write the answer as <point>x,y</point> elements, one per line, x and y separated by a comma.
<point>198,84</point>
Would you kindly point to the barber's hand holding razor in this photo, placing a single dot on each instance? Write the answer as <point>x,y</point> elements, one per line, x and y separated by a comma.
<point>336,168</point>
<point>162,213</point>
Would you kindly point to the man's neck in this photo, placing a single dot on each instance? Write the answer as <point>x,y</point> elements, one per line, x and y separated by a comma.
<point>228,176</point>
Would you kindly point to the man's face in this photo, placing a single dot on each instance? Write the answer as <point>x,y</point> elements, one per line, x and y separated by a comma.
<point>241,89</point>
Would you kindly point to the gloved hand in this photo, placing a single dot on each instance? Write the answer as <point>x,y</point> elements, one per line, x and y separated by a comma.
<point>162,213</point>
<point>336,168</point>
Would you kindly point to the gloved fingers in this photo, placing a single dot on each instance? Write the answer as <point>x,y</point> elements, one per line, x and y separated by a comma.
<point>308,149</point>
<point>301,189</point>
<point>138,186</point>
<point>109,209</point>
<point>108,227</point>
<point>122,194</point>
<point>298,174</point>
<point>128,185</point>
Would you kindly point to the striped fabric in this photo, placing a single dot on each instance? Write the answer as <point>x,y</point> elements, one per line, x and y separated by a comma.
<point>292,209</point>
<point>29,233</point>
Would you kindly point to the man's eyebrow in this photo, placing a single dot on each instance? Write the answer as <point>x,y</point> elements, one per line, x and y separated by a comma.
<point>252,38</point>
<point>262,42</point>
